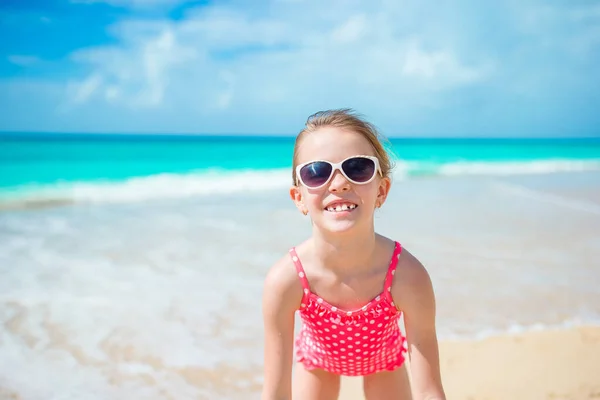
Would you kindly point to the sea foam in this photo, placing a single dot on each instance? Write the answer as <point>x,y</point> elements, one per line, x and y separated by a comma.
<point>232,182</point>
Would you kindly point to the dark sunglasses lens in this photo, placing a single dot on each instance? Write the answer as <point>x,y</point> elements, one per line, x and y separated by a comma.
<point>315,174</point>
<point>359,169</point>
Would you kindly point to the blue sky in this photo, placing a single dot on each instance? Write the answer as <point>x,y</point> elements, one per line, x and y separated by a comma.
<point>460,68</point>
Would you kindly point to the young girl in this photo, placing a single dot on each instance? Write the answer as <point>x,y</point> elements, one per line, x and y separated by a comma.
<point>349,284</point>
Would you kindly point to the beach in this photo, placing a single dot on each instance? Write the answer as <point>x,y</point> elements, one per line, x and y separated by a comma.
<point>150,289</point>
<point>553,364</point>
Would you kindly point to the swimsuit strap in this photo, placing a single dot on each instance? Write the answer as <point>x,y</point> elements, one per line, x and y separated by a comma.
<point>387,287</point>
<point>301,275</point>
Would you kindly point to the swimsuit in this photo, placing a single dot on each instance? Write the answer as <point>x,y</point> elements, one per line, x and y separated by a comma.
<point>350,342</point>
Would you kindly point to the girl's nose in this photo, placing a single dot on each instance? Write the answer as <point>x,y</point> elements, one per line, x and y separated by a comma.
<point>339,182</point>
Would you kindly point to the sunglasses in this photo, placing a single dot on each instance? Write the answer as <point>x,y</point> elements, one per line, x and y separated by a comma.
<point>359,170</point>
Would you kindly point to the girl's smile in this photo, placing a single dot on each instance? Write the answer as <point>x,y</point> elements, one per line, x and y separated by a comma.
<point>340,208</point>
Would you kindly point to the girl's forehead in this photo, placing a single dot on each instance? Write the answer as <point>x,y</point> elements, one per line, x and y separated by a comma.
<point>332,144</point>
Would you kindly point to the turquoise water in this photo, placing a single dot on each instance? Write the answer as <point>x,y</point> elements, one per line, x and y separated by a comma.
<point>85,158</point>
<point>52,166</point>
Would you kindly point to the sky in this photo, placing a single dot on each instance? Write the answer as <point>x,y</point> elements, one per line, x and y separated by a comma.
<point>447,68</point>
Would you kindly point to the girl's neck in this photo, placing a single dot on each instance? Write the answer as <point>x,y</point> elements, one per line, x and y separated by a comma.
<point>351,251</point>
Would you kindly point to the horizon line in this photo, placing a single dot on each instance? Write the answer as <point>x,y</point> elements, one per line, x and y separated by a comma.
<point>276,135</point>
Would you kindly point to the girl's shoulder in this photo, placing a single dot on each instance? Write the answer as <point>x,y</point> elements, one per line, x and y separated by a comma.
<point>410,267</point>
<point>282,284</point>
<point>411,283</point>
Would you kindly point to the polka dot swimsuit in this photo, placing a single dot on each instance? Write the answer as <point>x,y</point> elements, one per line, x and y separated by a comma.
<point>350,342</point>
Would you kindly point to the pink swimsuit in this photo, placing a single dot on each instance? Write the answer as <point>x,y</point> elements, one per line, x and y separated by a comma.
<point>350,342</point>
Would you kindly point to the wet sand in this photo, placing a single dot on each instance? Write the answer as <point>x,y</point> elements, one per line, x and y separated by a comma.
<point>557,364</point>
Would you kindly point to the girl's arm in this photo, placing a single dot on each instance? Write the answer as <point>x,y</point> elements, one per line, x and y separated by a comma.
<point>414,295</point>
<point>282,294</point>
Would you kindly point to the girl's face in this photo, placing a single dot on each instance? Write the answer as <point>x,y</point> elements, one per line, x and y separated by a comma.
<point>339,205</point>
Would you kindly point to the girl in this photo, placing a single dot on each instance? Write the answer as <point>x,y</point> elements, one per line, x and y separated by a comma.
<point>349,284</point>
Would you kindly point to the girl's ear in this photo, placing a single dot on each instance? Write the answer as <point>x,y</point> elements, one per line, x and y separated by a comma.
<point>296,196</point>
<point>382,191</point>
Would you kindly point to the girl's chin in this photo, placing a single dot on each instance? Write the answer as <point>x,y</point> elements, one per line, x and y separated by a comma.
<point>336,225</point>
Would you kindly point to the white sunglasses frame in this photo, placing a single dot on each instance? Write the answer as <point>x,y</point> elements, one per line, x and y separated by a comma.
<point>338,167</point>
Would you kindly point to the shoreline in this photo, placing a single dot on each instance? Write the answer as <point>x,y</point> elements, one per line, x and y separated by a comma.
<point>560,363</point>
<point>517,330</point>
<point>166,186</point>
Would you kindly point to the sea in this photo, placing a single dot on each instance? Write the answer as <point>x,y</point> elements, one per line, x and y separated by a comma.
<point>131,266</point>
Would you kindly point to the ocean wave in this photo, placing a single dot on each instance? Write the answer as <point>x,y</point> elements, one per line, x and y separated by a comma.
<point>518,167</point>
<point>518,329</point>
<point>154,187</point>
<point>202,183</point>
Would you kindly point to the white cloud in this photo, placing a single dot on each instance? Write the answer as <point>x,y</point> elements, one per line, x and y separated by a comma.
<point>82,91</point>
<point>136,76</point>
<point>133,3</point>
<point>440,67</point>
<point>588,12</point>
<point>225,97</point>
<point>350,30</point>
<point>23,60</point>
<point>223,56</point>
<point>569,31</point>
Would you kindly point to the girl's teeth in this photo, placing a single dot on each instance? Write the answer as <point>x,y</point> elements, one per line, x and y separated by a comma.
<point>343,207</point>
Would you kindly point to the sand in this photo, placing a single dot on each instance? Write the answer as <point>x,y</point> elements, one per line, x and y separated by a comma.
<point>561,364</point>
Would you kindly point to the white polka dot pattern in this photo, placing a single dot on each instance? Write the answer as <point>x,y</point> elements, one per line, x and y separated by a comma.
<point>351,342</point>
<point>366,343</point>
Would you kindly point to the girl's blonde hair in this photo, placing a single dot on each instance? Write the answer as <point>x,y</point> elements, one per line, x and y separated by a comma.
<point>345,119</point>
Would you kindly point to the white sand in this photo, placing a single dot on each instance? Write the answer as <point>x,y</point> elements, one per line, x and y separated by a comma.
<point>556,365</point>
